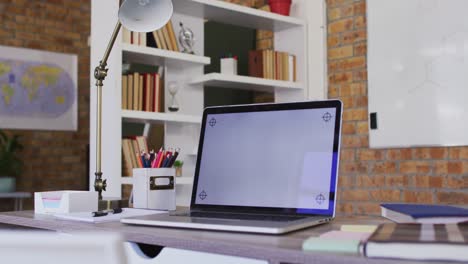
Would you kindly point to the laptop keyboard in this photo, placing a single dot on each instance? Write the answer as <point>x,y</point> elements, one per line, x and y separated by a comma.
<point>258,217</point>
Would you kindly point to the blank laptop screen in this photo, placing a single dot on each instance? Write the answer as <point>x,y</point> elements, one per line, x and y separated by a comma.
<point>273,159</point>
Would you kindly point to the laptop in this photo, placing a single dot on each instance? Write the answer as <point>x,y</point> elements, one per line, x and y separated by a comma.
<point>262,168</point>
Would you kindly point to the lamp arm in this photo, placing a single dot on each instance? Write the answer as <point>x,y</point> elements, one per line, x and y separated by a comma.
<point>100,73</point>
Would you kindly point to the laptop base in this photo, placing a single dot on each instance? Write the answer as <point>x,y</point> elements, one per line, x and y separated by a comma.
<point>234,225</point>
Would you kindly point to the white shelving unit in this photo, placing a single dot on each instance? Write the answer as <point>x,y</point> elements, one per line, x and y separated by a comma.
<point>147,55</point>
<point>184,180</point>
<point>228,13</point>
<point>244,82</point>
<point>302,33</point>
<point>158,118</point>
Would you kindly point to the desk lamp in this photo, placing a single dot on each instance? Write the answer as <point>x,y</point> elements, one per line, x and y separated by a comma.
<point>137,16</point>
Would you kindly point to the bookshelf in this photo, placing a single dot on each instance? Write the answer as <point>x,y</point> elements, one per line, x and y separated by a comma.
<point>238,15</point>
<point>245,82</point>
<point>158,118</point>
<point>146,55</point>
<point>302,33</point>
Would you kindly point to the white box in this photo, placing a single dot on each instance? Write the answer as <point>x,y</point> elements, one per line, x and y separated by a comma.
<point>65,202</point>
<point>154,189</point>
<point>229,66</point>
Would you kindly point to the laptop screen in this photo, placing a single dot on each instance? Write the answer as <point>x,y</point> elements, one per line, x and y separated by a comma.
<point>268,158</point>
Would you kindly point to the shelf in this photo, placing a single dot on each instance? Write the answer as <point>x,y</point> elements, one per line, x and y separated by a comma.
<point>179,180</point>
<point>152,117</point>
<point>244,82</point>
<point>184,180</point>
<point>126,180</point>
<point>135,53</point>
<point>238,15</point>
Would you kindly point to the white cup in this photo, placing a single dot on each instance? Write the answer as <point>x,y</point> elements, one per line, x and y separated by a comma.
<point>229,66</point>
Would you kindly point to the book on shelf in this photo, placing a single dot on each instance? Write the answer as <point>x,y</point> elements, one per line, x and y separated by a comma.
<point>129,161</point>
<point>142,144</point>
<point>142,39</point>
<point>124,92</point>
<point>164,38</point>
<point>129,92</point>
<point>126,35</point>
<point>429,242</point>
<point>143,91</point>
<point>135,88</point>
<point>270,64</point>
<point>134,38</point>
<point>167,38</point>
<point>161,40</point>
<point>131,149</point>
<point>424,213</point>
<point>172,36</point>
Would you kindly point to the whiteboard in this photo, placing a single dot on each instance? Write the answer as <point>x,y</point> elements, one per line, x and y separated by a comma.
<point>418,72</point>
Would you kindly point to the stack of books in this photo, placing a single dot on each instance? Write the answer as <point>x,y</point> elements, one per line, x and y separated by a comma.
<point>131,149</point>
<point>163,38</point>
<point>429,242</point>
<point>421,232</point>
<point>270,64</point>
<point>135,38</point>
<point>142,92</point>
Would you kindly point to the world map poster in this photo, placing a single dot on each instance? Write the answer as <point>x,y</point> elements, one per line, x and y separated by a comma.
<point>38,89</point>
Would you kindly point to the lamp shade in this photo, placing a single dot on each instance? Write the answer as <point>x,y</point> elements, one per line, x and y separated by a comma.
<point>145,15</point>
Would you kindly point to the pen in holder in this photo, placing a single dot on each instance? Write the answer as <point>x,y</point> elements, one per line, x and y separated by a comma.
<point>154,188</point>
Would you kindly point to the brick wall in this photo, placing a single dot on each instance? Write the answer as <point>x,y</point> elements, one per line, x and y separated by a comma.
<point>369,177</point>
<point>54,159</point>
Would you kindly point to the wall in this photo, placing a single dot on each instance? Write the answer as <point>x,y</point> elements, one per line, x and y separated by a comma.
<point>53,159</point>
<point>369,177</point>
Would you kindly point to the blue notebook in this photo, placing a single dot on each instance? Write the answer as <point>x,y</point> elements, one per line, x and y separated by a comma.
<point>424,213</point>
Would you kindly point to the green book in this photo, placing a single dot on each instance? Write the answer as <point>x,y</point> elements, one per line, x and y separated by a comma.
<point>337,241</point>
<point>331,245</point>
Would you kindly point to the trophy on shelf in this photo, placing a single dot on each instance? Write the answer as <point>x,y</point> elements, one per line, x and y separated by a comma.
<point>186,39</point>
<point>173,88</point>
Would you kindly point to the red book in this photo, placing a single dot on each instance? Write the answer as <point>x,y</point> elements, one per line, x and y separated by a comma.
<point>156,92</point>
<point>256,63</point>
<point>145,77</point>
<point>146,92</point>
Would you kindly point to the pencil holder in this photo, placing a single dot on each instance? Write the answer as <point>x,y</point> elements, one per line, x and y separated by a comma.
<point>154,189</point>
<point>229,66</point>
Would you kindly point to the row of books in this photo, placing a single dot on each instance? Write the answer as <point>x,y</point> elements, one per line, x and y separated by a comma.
<point>131,149</point>
<point>272,64</point>
<point>143,92</point>
<point>163,38</point>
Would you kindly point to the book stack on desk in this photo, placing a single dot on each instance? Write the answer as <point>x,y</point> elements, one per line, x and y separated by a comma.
<point>420,232</point>
<point>434,242</point>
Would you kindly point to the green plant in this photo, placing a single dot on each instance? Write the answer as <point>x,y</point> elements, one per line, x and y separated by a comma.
<point>10,163</point>
<point>178,164</point>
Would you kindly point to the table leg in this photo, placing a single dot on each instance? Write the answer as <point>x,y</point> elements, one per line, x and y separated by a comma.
<point>16,204</point>
<point>21,204</point>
